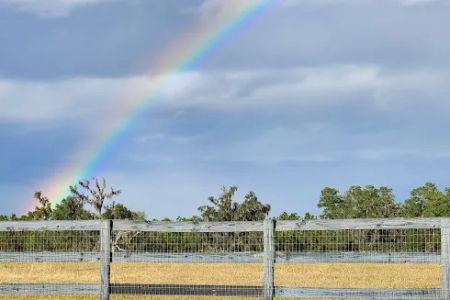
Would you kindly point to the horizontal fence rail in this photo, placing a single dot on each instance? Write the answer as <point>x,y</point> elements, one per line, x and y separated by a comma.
<point>50,225</point>
<point>125,225</point>
<point>232,257</point>
<point>122,225</point>
<point>273,245</point>
<point>348,224</point>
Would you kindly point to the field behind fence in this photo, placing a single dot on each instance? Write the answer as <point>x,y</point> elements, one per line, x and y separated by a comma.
<point>324,259</point>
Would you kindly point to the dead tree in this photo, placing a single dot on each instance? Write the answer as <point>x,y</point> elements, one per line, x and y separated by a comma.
<point>94,194</point>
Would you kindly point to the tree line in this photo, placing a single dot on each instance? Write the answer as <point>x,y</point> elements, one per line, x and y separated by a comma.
<point>91,199</point>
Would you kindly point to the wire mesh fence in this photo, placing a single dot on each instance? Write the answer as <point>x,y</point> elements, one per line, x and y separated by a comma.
<point>319,259</point>
<point>187,263</point>
<point>363,260</point>
<point>360,245</point>
<point>48,262</point>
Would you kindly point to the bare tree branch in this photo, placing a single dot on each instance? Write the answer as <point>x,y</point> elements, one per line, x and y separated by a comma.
<point>93,194</point>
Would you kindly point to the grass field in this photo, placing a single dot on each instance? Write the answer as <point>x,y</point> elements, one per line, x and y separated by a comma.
<point>287,275</point>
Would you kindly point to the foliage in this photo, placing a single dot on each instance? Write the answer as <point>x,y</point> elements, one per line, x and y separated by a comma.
<point>333,204</point>
<point>70,209</point>
<point>120,211</point>
<point>308,216</point>
<point>284,216</point>
<point>358,202</point>
<point>427,201</point>
<point>224,208</point>
<point>44,209</point>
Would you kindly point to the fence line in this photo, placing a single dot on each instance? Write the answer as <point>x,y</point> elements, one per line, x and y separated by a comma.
<point>312,257</point>
<point>269,256</point>
<point>242,226</point>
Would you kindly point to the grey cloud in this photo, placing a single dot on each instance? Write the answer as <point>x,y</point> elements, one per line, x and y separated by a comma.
<point>118,38</point>
<point>50,8</point>
<point>371,88</point>
<point>59,100</point>
<point>132,34</point>
<point>355,32</point>
<point>375,88</point>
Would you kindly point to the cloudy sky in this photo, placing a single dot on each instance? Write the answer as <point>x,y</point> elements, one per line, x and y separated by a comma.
<point>314,93</point>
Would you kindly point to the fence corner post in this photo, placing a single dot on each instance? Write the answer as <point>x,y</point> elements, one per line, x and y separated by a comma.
<point>105,259</point>
<point>269,259</point>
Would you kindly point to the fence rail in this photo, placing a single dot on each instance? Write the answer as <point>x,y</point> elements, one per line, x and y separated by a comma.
<point>125,225</point>
<point>392,241</point>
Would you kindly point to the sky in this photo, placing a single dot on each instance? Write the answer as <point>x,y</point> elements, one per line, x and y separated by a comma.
<point>313,93</point>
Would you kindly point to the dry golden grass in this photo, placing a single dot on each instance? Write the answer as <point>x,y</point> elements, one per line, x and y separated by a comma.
<point>211,274</point>
<point>288,275</point>
<point>49,273</point>
<point>358,275</point>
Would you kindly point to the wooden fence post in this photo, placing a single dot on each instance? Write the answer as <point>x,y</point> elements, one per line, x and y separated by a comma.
<point>105,259</point>
<point>445,261</point>
<point>269,259</point>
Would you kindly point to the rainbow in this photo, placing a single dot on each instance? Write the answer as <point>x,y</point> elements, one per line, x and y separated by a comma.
<point>184,55</point>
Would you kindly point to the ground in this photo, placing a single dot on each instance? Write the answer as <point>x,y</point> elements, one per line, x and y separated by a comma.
<point>287,275</point>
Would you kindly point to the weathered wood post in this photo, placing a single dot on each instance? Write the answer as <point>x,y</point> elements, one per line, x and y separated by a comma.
<point>269,259</point>
<point>105,259</point>
<point>445,259</point>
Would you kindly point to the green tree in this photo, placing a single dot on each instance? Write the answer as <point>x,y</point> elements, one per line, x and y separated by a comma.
<point>308,217</point>
<point>284,216</point>
<point>371,202</point>
<point>44,209</point>
<point>70,209</point>
<point>332,204</point>
<point>358,202</point>
<point>94,194</point>
<point>120,211</point>
<point>251,209</point>
<point>427,201</point>
<point>224,208</point>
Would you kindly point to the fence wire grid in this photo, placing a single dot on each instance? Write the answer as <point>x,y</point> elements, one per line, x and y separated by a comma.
<point>187,263</point>
<point>227,260</point>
